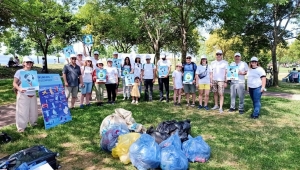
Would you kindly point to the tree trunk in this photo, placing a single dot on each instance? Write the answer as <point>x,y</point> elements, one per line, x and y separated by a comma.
<point>156,48</point>
<point>274,63</point>
<point>57,59</point>
<point>183,44</point>
<point>37,58</point>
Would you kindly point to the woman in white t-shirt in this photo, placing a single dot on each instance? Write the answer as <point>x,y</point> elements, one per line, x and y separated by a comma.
<point>256,85</point>
<point>137,69</point>
<point>126,89</point>
<point>86,72</point>
<point>177,84</point>
<point>26,105</point>
<point>111,81</point>
<point>203,82</point>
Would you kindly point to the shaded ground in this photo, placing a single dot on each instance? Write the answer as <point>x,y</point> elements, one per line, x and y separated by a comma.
<point>7,112</point>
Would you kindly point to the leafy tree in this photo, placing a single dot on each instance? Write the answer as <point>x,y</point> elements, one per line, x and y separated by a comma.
<point>263,24</point>
<point>293,52</point>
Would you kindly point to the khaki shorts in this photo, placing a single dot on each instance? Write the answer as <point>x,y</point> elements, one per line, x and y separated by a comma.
<point>72,90</point>
<point>189,88</point>
<point>218,86</point>
<point>204,87</point>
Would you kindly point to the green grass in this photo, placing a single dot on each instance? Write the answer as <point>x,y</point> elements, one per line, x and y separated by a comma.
<point>284,87</point>
<point>7,94</point>
<point>237,142</point>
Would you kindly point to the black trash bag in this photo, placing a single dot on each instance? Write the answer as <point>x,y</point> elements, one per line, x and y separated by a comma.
<point>31,156</point>
<point>4,138</point>
<point>167,128</point>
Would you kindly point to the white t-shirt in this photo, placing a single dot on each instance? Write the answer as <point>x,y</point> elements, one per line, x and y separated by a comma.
<point>219,69</point>
<point>254,77</point>
<point>79,63</point>
<point>201,70</point>
<point>17,75</point>
<point>137,67</point>
<point>87,74</point>
<point>178,79</point>
<point>111,73</point>
<point>148,70</point>
<point>94,62</point>
<point>164,63</point>
<point>242,67</point>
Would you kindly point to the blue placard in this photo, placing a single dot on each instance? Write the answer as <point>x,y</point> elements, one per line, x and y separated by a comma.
<point>188,77</point>
<point>29,80</point>
<point>232,73</point>
<point>163,71</point>
<point>117,62</point>
<point>129,80</point>
<point>68,51</point>
<point>125,71</point>
<point>53,100</point>
<point>88,40</point>
<point>101,75</point>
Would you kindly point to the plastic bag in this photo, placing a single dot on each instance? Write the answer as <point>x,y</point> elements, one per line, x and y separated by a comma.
<point>110,137</point>
<point>122,147</point>
<point>196,149</point>
<point>145,153</point>
<point>172,157</point>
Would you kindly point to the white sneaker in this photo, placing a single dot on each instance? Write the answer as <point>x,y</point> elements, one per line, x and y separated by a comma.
<point>124,98</point>
<point>133,101</point>
<point>136,102</point>
<point>221,110</point>
<point>215,107</point>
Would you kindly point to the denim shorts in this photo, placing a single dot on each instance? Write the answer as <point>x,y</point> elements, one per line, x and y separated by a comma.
<point>87,88</point>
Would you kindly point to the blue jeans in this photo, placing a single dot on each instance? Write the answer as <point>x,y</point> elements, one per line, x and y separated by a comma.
<point>255,94</point>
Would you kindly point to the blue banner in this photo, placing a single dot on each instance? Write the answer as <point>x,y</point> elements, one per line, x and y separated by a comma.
<point>53,100</point>
<point>125,71</point>
<point>88,40</point>
<point>163,71</point>
<point>29,80</point>
<point>101,75</point>
<point>68,51</point>
<point>188,77</point>
<point>129,80</point>
<point>232,73</point>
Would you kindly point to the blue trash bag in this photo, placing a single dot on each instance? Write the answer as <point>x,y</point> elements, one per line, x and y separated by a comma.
<point>145,153</point>
<point>110,137</point>
<point>172,157</point>
<point>196,149</point>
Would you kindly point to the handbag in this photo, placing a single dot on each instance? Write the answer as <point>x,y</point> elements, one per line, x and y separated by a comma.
<point>202,75</point>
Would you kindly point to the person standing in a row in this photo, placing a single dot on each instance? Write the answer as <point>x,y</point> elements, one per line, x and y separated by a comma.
<point>164,81</point>
<point>126,89</point>
<point>148,74</point>
<point>111,81</point>
<point>99,85</point>
<point>86,91</point>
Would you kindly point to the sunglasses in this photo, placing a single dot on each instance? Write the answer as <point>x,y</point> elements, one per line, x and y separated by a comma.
<point>237,56</point>
<point>89,61</point>
<point>29,62</point>
<point>73,58</point>
<point>219,54</point>
<point>253,61</point>
<point>188,58</point>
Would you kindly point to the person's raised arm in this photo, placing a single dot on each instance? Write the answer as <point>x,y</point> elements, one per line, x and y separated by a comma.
<point>84,50</point>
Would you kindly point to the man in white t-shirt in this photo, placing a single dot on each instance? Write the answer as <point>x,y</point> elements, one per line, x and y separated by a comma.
<point>148,74</point>
<point>115,56</point>
<point>219,79</point>
<point>237,87</point>
<point>164,81</point>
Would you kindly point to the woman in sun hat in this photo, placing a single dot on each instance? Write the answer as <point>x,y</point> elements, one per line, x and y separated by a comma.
<point>26,104</point>
<point>111,81</point>
<point>86,71</point>
<point>256,85</point>
<point>99,85</point>
<point>203,82</point>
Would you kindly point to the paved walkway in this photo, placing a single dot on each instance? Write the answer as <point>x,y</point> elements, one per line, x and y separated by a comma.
<point>7,112</point>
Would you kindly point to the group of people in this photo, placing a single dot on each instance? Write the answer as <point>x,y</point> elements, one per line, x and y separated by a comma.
<point>81,73</point>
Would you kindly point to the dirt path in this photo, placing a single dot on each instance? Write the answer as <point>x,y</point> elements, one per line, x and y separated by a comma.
<point>7,112</point>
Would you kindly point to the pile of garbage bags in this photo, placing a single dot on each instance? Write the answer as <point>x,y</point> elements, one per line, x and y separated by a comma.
<point>169,146</point>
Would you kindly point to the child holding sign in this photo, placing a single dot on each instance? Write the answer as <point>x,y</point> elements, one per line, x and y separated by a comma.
<point>135,93</point>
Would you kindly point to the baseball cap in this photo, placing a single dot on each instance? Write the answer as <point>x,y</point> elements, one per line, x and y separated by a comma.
<point>109,59</point>
<point>219,52</point>
<point>96,52</point>
<point>99,61</point>
<point>148,57</point>
<point>138,56</point>
<point>237,54</point>
<point>26,58</point>
<point>88,59</point>
<point>179,64</point>
<point>254,58</point>
<point>203,57</point>
<point>79,53</point>
<point>72,56</point>
<point>115,53</point>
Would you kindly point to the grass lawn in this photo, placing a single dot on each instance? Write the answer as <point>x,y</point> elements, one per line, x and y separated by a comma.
<point>237,142</point>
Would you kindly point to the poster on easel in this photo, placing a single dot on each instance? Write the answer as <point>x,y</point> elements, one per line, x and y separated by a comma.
<point>68,51</point>
<point>53,100</point>
<point>232,73</point>
<point>88,40</point>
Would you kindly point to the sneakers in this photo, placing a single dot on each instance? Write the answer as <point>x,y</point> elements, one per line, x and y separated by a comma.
<point>179,104</point>
<point>88,104</point>
<point>206,107</point>
<point>161,99</point>
<point>193,105</point>
<point>231,110</point>
<point>133,101</point>
<point>241,111</point>
<point>215,107</point>
<point>221,110</point>
<point>81,106</point>
<point>136,102</point>
<point>124,98</point>
<point>200,107</point>
<point>175,104</point>
<point>253,117</point>
<point>188,104</point>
